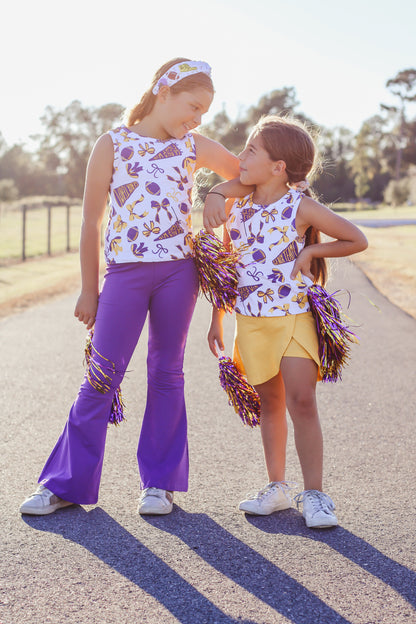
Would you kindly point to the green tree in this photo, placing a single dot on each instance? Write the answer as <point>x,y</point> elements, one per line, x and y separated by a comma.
<point>69,136</point>
<point>21,166</point>
<point>8,190</point>
<point>368,167</point>
<point>233,134</point>
<point>334,183</point>
<point>402,86</point>
<point>397,192</point>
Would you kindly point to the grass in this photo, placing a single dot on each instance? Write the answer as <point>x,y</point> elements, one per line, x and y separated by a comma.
<point>382,212</point>
<point>11,226</point>
<point>389,262</point>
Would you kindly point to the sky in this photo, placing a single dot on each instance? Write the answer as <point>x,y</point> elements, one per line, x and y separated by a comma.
<point>337,55</point>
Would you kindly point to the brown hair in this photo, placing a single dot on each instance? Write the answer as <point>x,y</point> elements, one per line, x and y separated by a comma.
<point>287,139</point>
<point>145,106</point>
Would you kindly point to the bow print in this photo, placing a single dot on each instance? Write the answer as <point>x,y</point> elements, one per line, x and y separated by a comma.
<point>151,228</point>
<point>164,204</point>
<point>269,214</point>
<point>255,275</point>
<point>174,196</point>
<point>160,249</point>
<point>255,237</point>
<point>301,299</point>
<point>181,181</point>
<point>156,170</point>
<point>265,295</point>
<point>130,208</point>
<point>119,224</point>
<point>283,239</point>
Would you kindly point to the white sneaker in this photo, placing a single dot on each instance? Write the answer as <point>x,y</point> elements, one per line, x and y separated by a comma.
<point>317,509</point>
<point>273,497</point>
<point>42,502</point>
<point>155,501</point>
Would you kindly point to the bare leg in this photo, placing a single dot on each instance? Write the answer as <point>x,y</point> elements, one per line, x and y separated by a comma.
<point>273,426</point>
<point>299,376</point>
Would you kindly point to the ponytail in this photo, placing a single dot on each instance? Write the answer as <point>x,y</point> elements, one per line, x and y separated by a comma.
<point>319,266</point>
<point>143,108</point>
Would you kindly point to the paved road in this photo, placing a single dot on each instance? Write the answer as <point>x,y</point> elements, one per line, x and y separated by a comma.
<point>207,563</point>
<point>383,223</point>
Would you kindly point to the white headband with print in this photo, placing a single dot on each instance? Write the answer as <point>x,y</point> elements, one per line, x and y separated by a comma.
<point>179,71</point>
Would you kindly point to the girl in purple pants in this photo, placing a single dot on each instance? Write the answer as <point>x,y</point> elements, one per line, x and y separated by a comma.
<point>146,168</point>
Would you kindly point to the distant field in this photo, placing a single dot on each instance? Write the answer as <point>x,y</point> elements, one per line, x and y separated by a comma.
<point>11,228</point>
<point>381,212</point>
<point>389,262</point>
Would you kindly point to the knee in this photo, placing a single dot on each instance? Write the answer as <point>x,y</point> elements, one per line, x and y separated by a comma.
<point>302,403</point>
<point>272,400</point>
<point>271,404</point>
<point>102,373</point>
<point>160,377</point>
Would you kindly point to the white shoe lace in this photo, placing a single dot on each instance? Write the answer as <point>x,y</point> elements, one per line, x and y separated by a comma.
<point>319,500</point>
<point>157,492</point>
<point>284,486</point>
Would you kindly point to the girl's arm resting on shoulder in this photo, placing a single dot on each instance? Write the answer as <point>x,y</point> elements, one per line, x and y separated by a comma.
<point>216,157</point>
<point>348,237</point>
<point>214,208</point>
<point>97,182</point>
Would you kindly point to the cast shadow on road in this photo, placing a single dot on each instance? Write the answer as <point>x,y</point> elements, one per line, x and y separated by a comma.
<point>357,550</point>
<point>105,538</point>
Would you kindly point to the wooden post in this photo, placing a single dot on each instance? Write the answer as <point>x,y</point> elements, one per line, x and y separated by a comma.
<point>49,229</point>
<point>24,210</point>
<point>68,242</point>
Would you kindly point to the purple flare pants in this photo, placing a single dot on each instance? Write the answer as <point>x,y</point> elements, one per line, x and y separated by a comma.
<point>168,292</point>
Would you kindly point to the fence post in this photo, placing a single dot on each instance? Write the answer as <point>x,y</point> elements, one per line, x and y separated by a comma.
<point>68,242</point>
<point>24,210</point>
<point>49,229</point>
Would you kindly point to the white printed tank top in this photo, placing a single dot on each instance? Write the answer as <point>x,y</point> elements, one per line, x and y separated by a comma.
<point>150,198</point>
<point>269,244</point>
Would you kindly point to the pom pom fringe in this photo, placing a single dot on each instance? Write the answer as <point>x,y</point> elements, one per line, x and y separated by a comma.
<point>99,380</point>
<point>241,395</point>
<point>334,337</point>
<point>217,271</point>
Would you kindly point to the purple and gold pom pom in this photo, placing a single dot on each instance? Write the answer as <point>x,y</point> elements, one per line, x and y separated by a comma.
<point>217,271</point>
<point>334,337</point>
<point>98,378</point>
<point>241,395</point>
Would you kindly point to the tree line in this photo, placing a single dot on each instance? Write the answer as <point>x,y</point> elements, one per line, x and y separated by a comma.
<point>376,164</point>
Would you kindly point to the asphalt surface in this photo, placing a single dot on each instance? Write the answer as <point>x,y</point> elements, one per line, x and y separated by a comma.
<point>207,562</point>
<point>383,223</point>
